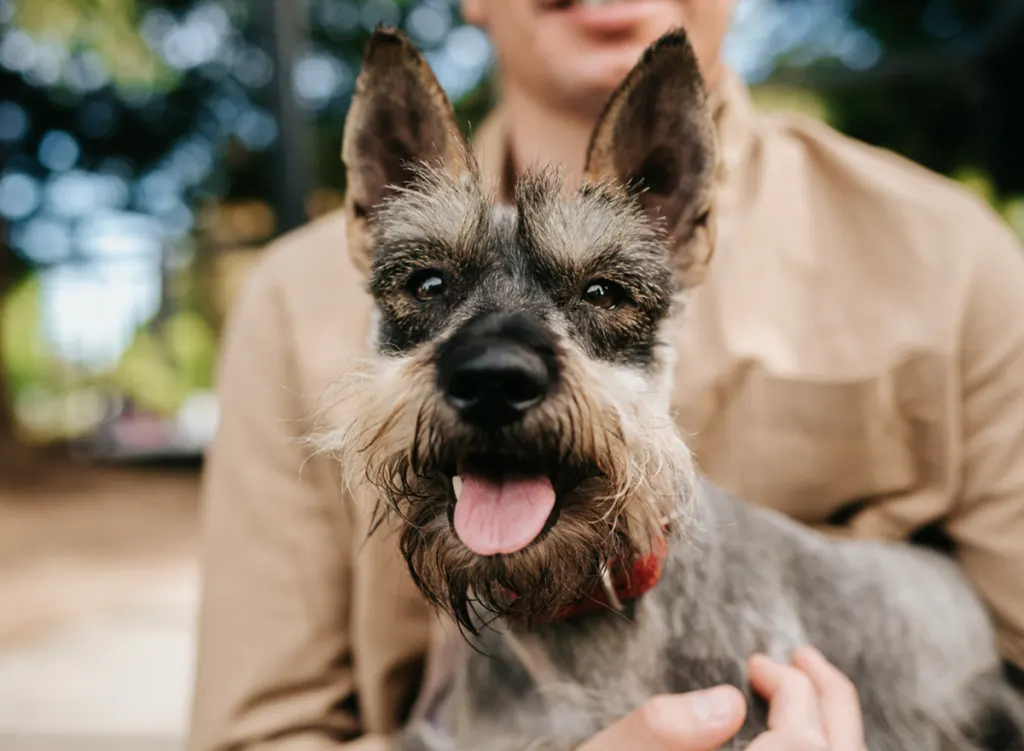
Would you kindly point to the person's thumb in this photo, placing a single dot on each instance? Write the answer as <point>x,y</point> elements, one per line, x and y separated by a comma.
<point>698,721</point>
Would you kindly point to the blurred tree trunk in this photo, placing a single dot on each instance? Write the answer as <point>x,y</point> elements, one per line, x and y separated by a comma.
<point>10,448</point>
<point>19,465</point>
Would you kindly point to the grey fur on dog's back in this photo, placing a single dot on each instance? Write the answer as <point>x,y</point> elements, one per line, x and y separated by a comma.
<point>750,580</point>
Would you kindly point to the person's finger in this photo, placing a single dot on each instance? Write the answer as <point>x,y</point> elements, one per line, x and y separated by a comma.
<point>698,721</point>
<point>793,706</point>
<point>837,696</point>
<point>786,740</point>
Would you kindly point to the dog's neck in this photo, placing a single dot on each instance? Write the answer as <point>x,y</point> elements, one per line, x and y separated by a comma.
<point>538,647</point>
<point>621,582</point>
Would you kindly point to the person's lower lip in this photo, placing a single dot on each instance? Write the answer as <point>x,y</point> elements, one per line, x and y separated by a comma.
<point>607,17</point>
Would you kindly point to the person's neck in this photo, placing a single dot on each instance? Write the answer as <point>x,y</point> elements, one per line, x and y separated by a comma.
<point>539,134</point>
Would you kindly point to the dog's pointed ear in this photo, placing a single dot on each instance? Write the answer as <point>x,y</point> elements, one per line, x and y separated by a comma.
<point>399,119</point>
<point>657,139</point>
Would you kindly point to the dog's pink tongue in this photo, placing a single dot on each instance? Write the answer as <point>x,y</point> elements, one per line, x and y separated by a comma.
<point>501,517</point>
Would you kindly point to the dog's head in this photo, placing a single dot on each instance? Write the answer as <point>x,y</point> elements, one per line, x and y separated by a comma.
<point>516,416</point>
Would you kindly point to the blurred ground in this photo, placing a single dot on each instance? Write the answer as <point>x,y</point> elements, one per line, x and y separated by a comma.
<point>97,601</point>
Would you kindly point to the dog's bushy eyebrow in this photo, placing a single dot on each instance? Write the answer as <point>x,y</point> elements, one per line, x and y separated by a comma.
<point>600,231</point>
<point>646,274</point>
<point>433,204</point>
<point>392,263</point>
<point>435,222</point>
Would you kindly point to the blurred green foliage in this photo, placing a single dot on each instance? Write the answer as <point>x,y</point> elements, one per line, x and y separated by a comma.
<point>105,28</point>
<point>165,363</point>
<point>945,92</point>
<point>24,352</point>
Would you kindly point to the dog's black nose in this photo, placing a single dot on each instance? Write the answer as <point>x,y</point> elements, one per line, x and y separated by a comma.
<point>498,384</point>
<point>495,370</point>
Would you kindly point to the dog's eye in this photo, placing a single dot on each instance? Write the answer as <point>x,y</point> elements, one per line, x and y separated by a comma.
<point>427,285</point>
<point>604,294</point>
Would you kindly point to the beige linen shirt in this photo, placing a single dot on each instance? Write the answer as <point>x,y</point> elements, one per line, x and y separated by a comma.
<point>855,357</point>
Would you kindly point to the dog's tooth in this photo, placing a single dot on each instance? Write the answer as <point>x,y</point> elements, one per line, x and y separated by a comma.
<point>457,486</point>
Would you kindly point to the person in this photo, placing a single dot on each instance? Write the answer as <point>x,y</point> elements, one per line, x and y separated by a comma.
<point>853,356</point>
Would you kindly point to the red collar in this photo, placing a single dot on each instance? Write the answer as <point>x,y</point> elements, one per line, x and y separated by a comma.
<point>628,582</point>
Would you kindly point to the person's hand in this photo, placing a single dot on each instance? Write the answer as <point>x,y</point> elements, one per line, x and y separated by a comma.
<point>697,721</point>
<point>812,705</point>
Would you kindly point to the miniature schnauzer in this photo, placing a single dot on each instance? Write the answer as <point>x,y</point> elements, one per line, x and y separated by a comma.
<point>514,421</point>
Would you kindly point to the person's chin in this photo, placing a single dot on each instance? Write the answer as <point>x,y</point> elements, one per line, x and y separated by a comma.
<point>597,46</point>
<point>593,78</point>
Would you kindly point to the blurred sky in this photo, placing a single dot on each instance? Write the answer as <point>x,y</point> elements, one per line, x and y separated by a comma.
<point>117,224</point>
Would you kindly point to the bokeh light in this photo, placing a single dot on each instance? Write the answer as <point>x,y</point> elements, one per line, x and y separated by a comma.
<point>318,77</point>
<point>14,121</point>
<point>45,240</point>
<point>19,195</point>
<point>58,151</point>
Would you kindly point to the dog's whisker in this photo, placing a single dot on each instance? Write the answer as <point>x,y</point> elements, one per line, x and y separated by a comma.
<point>417,432</point>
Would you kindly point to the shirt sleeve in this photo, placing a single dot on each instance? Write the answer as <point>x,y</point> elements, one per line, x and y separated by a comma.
<point>274,668</point>
<point>987,524</point>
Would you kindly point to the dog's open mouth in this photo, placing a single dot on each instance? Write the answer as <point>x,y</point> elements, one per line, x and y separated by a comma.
<point>501,505</point>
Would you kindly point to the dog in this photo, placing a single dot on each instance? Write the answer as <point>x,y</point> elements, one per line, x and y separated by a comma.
<point>514,423</point>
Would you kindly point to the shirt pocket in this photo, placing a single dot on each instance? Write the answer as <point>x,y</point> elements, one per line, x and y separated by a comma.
<point>811,447</point>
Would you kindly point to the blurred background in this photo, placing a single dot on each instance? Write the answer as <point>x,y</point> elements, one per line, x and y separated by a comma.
<point>148,151</point>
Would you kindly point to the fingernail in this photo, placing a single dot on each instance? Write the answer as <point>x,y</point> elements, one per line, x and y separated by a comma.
<point>716,706</point>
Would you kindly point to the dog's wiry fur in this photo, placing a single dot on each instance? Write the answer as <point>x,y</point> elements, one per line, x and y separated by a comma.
<point>598,428</point>
<point>901,623</point>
